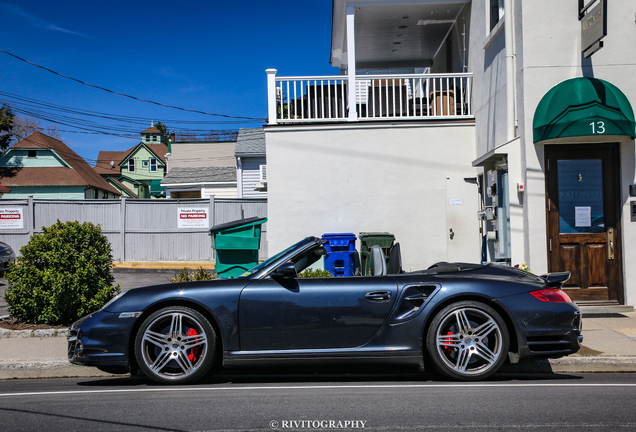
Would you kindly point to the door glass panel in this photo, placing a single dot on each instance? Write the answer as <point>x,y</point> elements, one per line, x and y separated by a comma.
<point>581,196</point>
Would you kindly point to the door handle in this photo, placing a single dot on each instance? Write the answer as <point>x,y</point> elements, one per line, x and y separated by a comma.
<point>610,243</point>
<point>378,295</point>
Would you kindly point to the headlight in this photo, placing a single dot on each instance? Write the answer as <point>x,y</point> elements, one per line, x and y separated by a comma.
<point>117,297</point>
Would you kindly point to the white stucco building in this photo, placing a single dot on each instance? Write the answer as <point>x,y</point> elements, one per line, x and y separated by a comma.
<point>473,131</point>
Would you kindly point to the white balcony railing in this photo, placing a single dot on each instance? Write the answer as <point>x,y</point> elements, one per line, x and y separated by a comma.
<point>377,97</point>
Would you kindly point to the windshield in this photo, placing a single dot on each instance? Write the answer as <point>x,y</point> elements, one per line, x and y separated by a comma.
<point>265,263</point>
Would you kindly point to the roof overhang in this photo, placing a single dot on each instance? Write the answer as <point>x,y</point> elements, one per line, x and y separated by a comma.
<point>240,155</point>
<point>393,34</point>
<point>197,184</point>
<point>583,107</point>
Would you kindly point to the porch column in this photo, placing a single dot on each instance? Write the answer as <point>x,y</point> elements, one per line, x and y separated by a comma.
<point>271,95</point>
<point>351,64</point>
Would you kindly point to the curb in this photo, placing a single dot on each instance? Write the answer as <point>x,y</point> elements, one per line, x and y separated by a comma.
<point>42,333</point>
<point>20,369</point>
<point>164,265</point>
<point>48,369</point>
<point>575,364</point>
<point>608,364</point>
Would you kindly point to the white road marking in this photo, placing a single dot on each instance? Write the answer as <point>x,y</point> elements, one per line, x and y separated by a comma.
<point>304,387</point>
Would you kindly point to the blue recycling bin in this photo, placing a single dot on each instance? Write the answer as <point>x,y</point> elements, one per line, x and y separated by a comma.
<point>341,254</point>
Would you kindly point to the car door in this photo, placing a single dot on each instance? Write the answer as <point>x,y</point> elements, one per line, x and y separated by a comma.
<point>313,313</point>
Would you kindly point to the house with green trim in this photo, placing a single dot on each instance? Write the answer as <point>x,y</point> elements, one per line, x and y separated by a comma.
<point>45,167</point>
<point>138,171</point>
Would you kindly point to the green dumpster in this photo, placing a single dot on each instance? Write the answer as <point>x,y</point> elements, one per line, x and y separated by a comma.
<point>237,245</point>
<point>367,239</point>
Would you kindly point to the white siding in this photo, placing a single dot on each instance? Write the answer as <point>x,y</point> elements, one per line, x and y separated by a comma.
<point>220,191</point>
<point>353,178</point>
<point>202,154</point>
<point>251,176</point>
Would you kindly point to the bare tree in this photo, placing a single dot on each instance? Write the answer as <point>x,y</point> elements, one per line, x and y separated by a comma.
<point>185,136</point>
<point>213,136</point>
<point>25,126</point>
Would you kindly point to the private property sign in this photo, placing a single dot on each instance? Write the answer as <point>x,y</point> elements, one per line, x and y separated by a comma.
<point>11,218</point>
<point>193,217</point>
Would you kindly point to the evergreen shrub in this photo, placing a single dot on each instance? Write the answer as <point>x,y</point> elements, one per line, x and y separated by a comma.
<point>61,275</point>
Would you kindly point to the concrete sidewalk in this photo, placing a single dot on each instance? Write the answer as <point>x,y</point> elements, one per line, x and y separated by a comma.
<point>609,345</point>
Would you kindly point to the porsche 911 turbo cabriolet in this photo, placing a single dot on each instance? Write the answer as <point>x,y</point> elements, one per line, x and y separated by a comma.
<point>463,320</point>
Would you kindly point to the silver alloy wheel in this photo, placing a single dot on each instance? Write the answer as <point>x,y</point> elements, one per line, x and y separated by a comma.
<point>174,345</point>
<point>469,341</point>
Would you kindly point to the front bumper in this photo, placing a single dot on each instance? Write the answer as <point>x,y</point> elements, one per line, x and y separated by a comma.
<point>102,340</point>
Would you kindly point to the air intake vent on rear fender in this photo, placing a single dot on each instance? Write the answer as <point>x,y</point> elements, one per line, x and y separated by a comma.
<point>413,298</point>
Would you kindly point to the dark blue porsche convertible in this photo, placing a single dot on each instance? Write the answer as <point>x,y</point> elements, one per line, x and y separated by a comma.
<point>463,320</point>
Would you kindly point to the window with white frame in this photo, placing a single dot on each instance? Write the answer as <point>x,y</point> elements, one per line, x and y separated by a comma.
<point>153,164</point>
<point>131,165</point>
<point>145,163</point>
<point>263,173</point>
<point>496,12</point>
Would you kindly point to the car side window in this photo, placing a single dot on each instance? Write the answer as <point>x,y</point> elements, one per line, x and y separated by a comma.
<point>308,258</point>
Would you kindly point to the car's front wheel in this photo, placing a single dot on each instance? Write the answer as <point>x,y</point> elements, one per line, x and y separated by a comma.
<point>175,345</point>
<point>467,340</point>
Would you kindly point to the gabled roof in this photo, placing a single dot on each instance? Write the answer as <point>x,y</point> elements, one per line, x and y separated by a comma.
<point>119,185</point>
<point>250,141</point>
<point>81,173</point>
<point>103,166</point>
<point>159,150</point>
<point>130,179</point>
<point>151,130</point>
<point>184,175</point>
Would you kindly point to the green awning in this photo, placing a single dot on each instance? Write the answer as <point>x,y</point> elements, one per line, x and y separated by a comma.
<point>583,107</point>
<point>156,189</point>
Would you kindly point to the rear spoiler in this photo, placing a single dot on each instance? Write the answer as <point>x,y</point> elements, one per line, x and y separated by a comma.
<point>556,280</point>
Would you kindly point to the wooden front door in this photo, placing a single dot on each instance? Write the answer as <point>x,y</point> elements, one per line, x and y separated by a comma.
<point>584,229</point>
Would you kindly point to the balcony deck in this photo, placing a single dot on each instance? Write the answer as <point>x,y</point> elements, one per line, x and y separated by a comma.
<point>314,99</point>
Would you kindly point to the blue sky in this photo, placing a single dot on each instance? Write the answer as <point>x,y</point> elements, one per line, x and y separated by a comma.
<point>203,55</point>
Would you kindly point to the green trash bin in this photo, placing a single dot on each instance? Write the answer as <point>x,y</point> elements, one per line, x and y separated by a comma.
<point>237,244</point>
<point>367,239</point>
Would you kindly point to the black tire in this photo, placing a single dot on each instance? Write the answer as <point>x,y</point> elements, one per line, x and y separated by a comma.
<point>175,345</point>
<point>467,341</point>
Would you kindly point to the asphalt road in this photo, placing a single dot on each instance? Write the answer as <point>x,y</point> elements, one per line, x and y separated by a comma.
<point>270,401</point>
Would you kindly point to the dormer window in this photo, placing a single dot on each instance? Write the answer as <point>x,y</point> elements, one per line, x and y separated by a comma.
<point>131,165</point>
<point>32,153</point>
<point>154,137</point>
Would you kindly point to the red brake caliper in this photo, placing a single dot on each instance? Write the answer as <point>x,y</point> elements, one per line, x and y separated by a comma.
<point>447,348</point>
<point>194,352</point>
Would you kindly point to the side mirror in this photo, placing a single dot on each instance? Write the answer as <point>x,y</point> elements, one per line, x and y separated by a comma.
<point>285,270</point>
<point>321,251</point>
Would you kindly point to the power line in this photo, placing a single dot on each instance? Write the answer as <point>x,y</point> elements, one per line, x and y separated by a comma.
<point>126,95</point>
<point>18,100</point>
<point>123,126</point>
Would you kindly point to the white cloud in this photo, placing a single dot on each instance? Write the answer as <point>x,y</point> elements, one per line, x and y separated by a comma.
<point>38,22</point>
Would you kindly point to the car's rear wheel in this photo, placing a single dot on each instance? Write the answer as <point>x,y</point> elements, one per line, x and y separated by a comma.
<point>175,345</point>
<point>467,340</point>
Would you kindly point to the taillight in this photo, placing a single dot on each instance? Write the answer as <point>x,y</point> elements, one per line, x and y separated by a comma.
<point>552,295</point>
